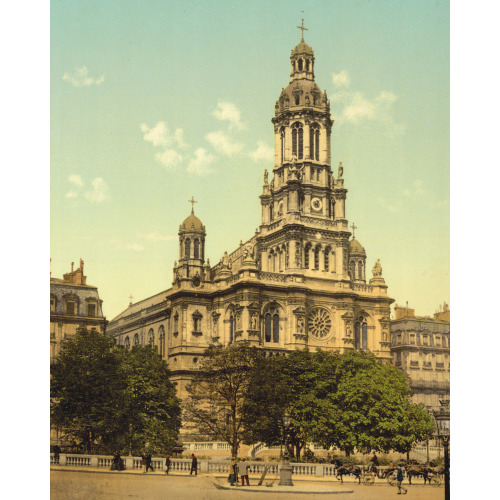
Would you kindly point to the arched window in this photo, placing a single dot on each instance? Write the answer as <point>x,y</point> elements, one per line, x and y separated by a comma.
<point>282,147</point>
<point>327,258</point>
<point>361,334</point>
<point>126,344</point>
<point>317,251</point>
<point>297,140</point>
<point>360,270</point>
<point>314,142</point>
<point>136,339</point>
<point>151,337</point>
<point>300,65</point>
<point>272,326</point>
<point>232,325</point>
<point>161,336</point>
<point>196,247</point>
<point>307,249</point>
<point>307,64</point>
<point>352,270</point>
<point>187,248</point>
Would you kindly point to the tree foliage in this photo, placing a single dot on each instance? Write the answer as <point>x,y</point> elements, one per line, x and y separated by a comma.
<point>217,393</point>
<point>106,397</point>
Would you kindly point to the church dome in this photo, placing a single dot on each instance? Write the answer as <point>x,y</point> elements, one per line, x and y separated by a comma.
<point>302,48</point>
<point>192,225</point>
<point>355,248</point>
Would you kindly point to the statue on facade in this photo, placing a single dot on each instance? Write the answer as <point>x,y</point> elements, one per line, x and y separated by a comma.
<point>248,252</point>
<point>300,325</point>
<point>266,177</point>
<point>341,170</point>
<point>348,331</point>
<point>293,161</point>
<point>377,269</point>
<point>253,321</point>
<point>225,260</point>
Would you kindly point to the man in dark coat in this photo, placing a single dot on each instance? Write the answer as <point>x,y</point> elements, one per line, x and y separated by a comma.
<point>194,465</point>
<point>399,479</point>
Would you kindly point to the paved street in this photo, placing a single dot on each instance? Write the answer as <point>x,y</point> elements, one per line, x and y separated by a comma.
<point>76,485</point>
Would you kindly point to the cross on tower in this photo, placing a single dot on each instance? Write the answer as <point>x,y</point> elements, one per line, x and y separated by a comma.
<point>302,28</point>
<point>192,201</point>
<point>131,297</point>
<point>353,228</point>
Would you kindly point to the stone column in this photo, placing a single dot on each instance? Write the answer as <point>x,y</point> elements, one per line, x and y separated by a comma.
<point>307,141</point>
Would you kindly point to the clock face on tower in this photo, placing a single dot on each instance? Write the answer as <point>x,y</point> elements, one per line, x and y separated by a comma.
<point>316,204</point>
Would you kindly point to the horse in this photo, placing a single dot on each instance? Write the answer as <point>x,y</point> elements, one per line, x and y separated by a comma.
<point>344,470</point>
<point>422,470</point>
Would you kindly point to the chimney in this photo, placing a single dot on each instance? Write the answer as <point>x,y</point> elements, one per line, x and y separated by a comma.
<point>72,264</point>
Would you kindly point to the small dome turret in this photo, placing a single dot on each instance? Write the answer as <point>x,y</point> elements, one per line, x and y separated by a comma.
<point>355,248</point>
<point>192,225</point>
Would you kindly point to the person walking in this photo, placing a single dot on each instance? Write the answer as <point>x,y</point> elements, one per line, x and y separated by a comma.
<point>168,463</point>
<point>194,465</point>
<point>143,463</point>
<point>148,462</point>
<point>57,451</point>
<point>399,478</point>
<point>231,472</point>
<point>116,461</point>
<point>245,470</point>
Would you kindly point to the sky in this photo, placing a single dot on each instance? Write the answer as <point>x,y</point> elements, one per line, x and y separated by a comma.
<point>153,102</point>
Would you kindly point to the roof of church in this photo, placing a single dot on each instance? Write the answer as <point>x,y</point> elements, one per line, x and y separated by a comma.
<point>356,247</point>
<point>192,223</point>
<point>302,48</point>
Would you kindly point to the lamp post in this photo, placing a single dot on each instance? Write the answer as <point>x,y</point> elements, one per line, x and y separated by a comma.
<point>130,440</point>
<point>442,417</point>
<point>286,468</point>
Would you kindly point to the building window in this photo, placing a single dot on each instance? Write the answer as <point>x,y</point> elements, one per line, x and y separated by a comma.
<point>426,339</point>
<point>232,327</point>
<point>91,309</point>
<point>126,344</point>
<point>300,64</point>
<point>187,248</point>
<point>196,246</point>
<point>70,307</point>
<point>197,322</point>
<point>151,338</point>
<point>361,335</point>
<point>307,249</point>
<point>136,339</point>
<point>176,323</point>
<point>327,259</point>
<point>352,270</point>
<point>282,139</point>
<point>314,141</point>
<point>297,140</point>
<point>412,338</point>
<point>316,149</point>
<point>161,336</point>
<point>316,257</point>
<point>271,326</point>
<point>52,304</point>
<point>438,341</point>
<point>360,270</point>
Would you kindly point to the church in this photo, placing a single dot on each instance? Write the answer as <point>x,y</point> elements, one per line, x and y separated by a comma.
<point>299,282</point>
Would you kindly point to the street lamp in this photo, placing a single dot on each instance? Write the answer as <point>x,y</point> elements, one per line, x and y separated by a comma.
<point>130,427</point>
<point>286,468</point>
<point>442,417</point>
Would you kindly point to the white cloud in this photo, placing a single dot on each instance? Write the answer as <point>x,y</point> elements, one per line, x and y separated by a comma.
<point>156,236</point>
<point>199,165</point>
<point>227,111</point>
<point>81,78</point>
<point>358,108</point>
<point>158,135</point>
<point>99,191</point>
<point>170,158</point>
<point>341,79</point>
<point>222,144</point>
<point>388,206</point>
<point>71,194</point>
<point>262,153</point>
<point>179,138</point>
<point>134,246</point>
<point>76,180</point>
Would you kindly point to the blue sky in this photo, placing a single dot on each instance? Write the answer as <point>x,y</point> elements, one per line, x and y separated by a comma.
<point>153,102</point>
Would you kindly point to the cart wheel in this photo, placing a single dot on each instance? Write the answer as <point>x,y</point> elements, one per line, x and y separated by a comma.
<point>436,481</point>
<point>367,479</point>
<point>392,478</point>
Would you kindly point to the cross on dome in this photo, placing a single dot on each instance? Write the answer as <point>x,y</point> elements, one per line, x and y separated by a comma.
<point>353,228</point>
<point>192,201</point>
<point>302,28</point>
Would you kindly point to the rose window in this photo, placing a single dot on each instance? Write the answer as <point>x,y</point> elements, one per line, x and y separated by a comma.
<point>320,323</point>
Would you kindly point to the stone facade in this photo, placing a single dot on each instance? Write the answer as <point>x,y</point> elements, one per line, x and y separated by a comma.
<point>299,281</point>
<point>73,303</point>
<point>421,348</point>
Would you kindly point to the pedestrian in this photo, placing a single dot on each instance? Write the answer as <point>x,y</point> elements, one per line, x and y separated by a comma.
<point>194,465</point>
<point>148,462</point>
<point>57,451</point>
<point>168,462</point>
<point>231,471</point>
<point>143,463</point>
<point>245,470</point>
<point>399,478</point>
<point>116,461</point>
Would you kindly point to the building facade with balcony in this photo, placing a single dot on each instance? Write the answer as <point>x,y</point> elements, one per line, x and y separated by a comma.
<point>420,346</point>
<point>73,304</point>
<point>299,281</point>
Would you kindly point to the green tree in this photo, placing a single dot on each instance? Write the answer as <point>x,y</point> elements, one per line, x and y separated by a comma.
<point>84,382</point>
<point>111,399</point>
<point>153,415</point>
<point>217,393</point>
